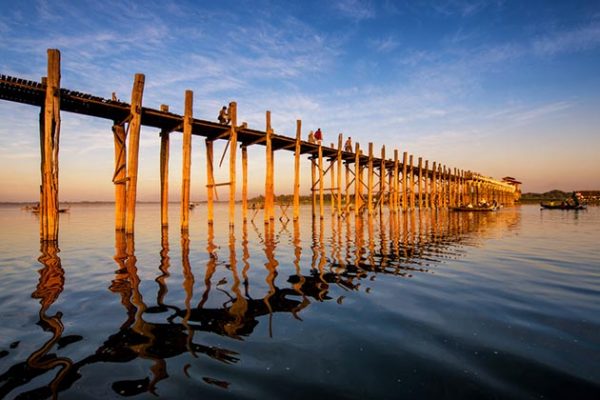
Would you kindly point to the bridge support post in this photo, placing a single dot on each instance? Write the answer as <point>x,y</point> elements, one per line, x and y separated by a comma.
<point>321,199</point>
<point>313,179</point>
<point>297,170</point>
<point>339,176</point>
<point>210,181</point>
<point>404,181</point>
<point>411,174</point>
<point>370,180</point>
<point>269,189</point>
<point>382,176</point>
<point>49,139</point>
<point>164,174</point>
<point>427,185</point>
<point>434,185</point>
<point>120,175</point>
<point>133,150</point>
<point>395,182</point>
<point>357,180</point>
<point>244,183</point>
<point>420,183</point>
<point>187,160</point>
<point>346,189</point>
<point>232,159</point>
<point>332,191</point>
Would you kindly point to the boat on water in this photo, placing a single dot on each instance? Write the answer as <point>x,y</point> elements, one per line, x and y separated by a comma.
<point>562,206</point>
<point>572,203</point>
<point>36,209</point>
<point>475,208</point>
<point>482,206</point>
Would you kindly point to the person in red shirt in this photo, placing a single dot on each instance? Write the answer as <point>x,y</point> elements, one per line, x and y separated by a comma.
<point>318,136</point>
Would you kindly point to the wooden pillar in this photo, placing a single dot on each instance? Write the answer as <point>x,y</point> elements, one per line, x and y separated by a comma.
<point>426,183</point>
<point>339,176</point>
<point>269,213</point>
<point>404,183</point>
<point>395,181</point>
<point>357,179</point>
<point>133,150</point>
<point>347,187</point>
<point>244,183</point>
<point>164,173</point>
<point>332,174</point>
<point>120,175</point>
<point>297,150</point>
<point>313,191</point>
<point>370,180</point>
<point>187,160</point>
<point>210,181</point>
<point>411,173</point>
<point>434,185</point>
<point>420,184</point>
<point>49,140</point>
<point>382,174</point>
<point>321,200</point>
<point>232,159</point>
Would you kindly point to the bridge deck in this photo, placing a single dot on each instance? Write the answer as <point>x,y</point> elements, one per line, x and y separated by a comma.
<point>33,93</point>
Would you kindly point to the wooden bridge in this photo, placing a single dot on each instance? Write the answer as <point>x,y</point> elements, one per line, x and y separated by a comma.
<point>402,184</point>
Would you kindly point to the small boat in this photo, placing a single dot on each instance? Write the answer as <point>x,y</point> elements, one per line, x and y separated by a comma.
<point>475,208</point>
<point>562,206</point>
<point>36,209</point>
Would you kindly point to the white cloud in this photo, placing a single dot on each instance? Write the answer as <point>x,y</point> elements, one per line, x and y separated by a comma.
<point>357,10</point>
<point>568,41</point>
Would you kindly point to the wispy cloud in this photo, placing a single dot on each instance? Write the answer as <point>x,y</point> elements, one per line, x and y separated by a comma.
<point>385,45</point>
<point>568,41</point>
<point>357,10</point>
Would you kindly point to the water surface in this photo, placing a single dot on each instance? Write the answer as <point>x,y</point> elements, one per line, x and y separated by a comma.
<point>430,304</point>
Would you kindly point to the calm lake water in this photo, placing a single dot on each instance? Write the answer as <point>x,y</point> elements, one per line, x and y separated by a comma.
<point>422,305</point>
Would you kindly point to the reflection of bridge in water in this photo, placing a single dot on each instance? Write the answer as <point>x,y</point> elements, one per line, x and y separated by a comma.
<point>355,252</point>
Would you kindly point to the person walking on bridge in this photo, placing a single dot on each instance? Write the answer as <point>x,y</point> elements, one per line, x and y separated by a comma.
<point>318,136</point>
<point>348,145</point>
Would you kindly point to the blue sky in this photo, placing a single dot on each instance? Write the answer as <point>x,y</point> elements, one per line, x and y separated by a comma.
<point>499,87</point>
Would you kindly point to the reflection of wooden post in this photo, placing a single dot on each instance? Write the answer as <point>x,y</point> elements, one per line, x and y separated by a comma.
<point>420,184</point>
<point>321,200</point>
<point>232,156</point>
<point>426,182</point>
<point>357,179</point>
<point>411,174</point>
<point>187,160</point>
<point>210,181</point>
<point>134,146</point>
<point>120,176</point>
<point>297,150</point>
<point>370,180</point>
<point>404,183</point>
<point>395,182</point>
<point>339,176</point>
<point>164,173</point>
<point>244,183</point>
<point>434,185</point>
<point>269,190</point>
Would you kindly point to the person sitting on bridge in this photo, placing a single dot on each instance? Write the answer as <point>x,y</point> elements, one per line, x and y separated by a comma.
<point>224,116</point>
<point>311,137</point>
<point>348,145</point>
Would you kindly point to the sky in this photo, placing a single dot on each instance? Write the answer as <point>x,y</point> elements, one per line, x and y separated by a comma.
<point>504,88</point>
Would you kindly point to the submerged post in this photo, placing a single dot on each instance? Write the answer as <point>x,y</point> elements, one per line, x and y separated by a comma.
<point>395,182</point>
<point>133,150</point>
<point>49,138</point>
<point>420,183</point>
<point>426,183</point>
<point>411,173</point>
<point>187,161</point>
